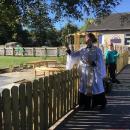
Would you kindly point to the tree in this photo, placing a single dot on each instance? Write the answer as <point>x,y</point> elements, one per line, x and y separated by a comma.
<point>37,15</point>
<point>68,29</point>
<point>9,13</point>
<point>76,8</point>
<point>88,22</point>
<point>32,15</point>
<point>38,21</point>
<point>20,35</point>
<point>9,16</point>
<point>5,33</point>
<point>71,8</point>
<point>54,37</point>
<point>10,23</point>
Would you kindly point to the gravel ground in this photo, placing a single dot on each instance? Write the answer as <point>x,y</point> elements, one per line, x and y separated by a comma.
<point>7,80</point>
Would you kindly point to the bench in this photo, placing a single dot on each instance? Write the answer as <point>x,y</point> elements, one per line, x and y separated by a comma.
<point>46,71</point>
<point>42,63</point>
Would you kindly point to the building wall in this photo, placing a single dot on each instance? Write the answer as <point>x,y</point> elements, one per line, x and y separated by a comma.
<point>117,37</point>
<point>114,37</point>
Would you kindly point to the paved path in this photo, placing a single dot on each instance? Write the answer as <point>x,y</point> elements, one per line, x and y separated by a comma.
<point>116,116</point>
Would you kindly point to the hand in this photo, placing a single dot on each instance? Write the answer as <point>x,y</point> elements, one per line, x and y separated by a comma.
<point>68,51</point>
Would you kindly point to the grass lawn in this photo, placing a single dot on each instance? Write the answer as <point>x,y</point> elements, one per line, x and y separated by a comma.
<point>7,61</point>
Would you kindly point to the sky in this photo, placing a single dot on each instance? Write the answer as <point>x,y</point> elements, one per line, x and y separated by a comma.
<point>123,7</point>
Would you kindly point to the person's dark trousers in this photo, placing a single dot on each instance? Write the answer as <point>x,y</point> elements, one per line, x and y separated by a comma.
<point>112,71</point>
<point>88,100</point>
<point>106,67</point>
<point>84,101</point>
<point>81,99</point>
<point>99,99</point>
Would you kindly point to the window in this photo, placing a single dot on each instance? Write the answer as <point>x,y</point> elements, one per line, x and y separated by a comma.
<point>127,39</point>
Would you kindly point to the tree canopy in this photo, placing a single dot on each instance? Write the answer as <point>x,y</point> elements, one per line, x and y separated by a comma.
<point>38,16</point>
<point>71,8</point>
<point>76,8</point>
<point>88,22</point>
<point>66,30</point>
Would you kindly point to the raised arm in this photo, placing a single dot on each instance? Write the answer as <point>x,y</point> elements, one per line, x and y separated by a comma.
<point>72,59</point>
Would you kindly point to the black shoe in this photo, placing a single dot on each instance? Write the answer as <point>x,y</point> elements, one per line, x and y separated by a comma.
<point>113,81</point>
<point>102,107</point>
<point>94,105</point>
<point>117,81</point>
<point>86,108</point>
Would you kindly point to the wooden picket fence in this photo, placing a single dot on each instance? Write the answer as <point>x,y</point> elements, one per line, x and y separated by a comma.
<point>122,61</point>
<point>39,104</point>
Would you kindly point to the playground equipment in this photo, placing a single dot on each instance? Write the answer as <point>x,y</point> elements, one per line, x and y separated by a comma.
<point>19,50</point>
<point>77,40</point>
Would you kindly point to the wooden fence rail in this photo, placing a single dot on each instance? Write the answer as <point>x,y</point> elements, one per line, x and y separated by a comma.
<point>33,51</point>
<point>39,104</point>
<point>50,51</point>
<point>122,61</point>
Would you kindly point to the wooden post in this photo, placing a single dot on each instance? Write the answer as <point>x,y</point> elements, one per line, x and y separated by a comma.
<point>50,99</point>
<point>6,109</point>
<point>41,95</point>
<point>46,82</point>
<point>29,105</point>
<point>1,109</point>
<point>35,103</point>
<point>15,108</point>
<point>62,93</point>
<point>54,97</point>
<point>22,101</point>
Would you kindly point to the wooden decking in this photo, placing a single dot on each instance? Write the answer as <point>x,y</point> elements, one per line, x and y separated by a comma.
<point>116,116</point>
